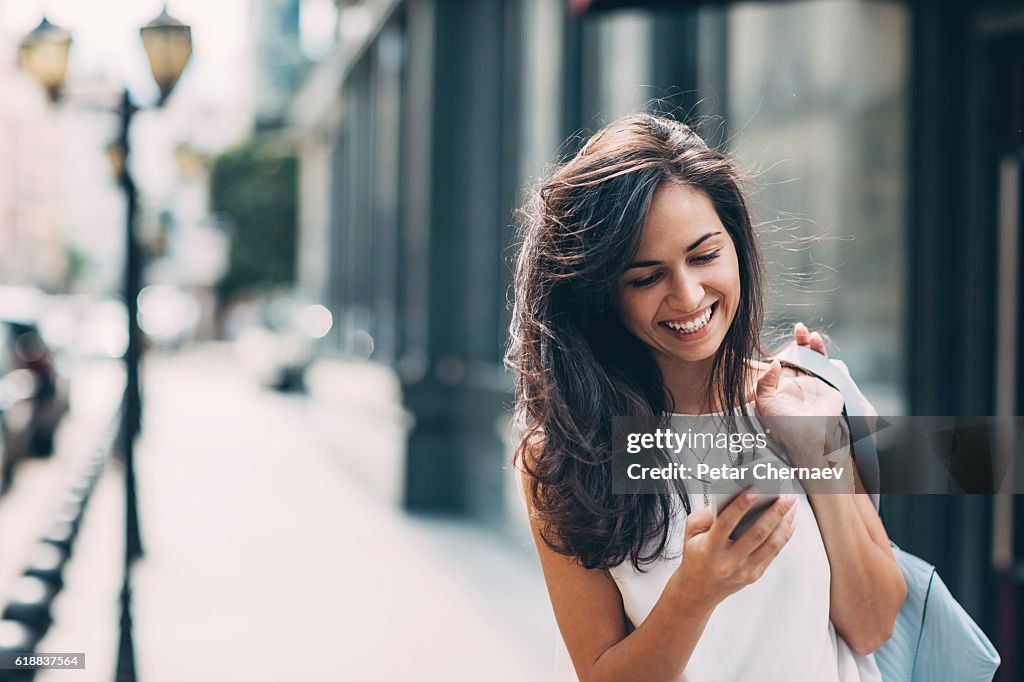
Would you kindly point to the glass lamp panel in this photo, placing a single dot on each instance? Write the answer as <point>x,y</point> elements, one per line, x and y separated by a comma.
<point>168,45</point>
<point>44,55</point>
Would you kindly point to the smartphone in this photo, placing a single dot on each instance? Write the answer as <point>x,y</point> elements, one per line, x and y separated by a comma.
<point>720,499</point>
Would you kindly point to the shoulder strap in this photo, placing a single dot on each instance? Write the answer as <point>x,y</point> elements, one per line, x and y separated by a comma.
<point>861,437</point>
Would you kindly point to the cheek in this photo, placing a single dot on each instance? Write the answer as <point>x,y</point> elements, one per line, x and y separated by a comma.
<point>734,294</point>
<point>735,288</point>
<point>632,308</point>
<point>728,279</point>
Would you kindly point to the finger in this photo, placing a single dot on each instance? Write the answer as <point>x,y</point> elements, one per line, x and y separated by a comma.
<point>770,548</point>
<point>730,517</point>
<point>801,334</point>
<point>769,381</point>
<point>818,344</point>
<point>698,521</point>
<point>762,529</point>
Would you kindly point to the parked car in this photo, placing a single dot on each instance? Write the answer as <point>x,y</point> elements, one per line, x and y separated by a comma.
<point>33,392</point>
<point>280,337</point>
<point>51,388</point>
<point>17,408</point>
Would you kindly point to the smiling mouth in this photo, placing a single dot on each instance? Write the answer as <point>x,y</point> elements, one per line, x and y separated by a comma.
<point>695,325</point>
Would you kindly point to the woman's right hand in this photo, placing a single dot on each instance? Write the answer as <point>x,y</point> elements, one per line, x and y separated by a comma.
<point>713,566</point>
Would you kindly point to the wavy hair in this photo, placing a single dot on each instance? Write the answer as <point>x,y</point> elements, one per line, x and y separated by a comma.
<point>575,364</point>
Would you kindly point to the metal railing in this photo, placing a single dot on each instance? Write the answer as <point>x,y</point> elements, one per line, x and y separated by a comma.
<point>28,614</point>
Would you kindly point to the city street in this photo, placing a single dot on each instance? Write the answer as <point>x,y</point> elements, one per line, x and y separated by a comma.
<point>329,247</point>
<point>268,555</point>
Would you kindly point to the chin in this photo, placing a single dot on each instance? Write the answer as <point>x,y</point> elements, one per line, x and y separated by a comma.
<point>698,355</point>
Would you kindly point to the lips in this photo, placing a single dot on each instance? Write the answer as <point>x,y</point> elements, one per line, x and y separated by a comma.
<point>694,325</point>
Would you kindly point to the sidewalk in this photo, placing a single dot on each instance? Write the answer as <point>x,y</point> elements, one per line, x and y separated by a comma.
<point>267,558</point>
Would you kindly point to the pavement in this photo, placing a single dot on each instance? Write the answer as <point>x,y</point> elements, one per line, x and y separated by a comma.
<point>274,549</point>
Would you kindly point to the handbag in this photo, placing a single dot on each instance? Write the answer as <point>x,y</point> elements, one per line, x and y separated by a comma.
<point>934,639</point>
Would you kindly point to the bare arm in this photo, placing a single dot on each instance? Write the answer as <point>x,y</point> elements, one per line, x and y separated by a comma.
<point>867,585</point>
<point>868,588</point>
<point>590,614</point>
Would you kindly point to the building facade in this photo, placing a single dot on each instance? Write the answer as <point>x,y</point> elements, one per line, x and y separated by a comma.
<point>277,58</point>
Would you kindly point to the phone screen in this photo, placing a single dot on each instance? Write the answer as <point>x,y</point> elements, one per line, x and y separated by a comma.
<point>720,500</point>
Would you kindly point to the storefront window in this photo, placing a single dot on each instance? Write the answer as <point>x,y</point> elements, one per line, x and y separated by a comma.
<point>816,102</point>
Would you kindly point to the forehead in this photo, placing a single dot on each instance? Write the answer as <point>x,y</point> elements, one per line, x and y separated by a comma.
<point>679,214</point>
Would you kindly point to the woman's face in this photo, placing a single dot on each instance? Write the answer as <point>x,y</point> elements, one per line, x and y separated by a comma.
<point>680,293</point>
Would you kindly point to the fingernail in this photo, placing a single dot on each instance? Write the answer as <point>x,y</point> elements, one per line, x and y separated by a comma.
<point>752,495</point>
<point>789,499</point>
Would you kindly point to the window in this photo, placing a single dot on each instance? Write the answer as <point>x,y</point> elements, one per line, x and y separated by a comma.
<point>815,98</point>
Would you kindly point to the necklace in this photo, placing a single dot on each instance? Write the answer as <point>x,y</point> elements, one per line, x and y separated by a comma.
<point>702,459</point>
<point>707,495</point>
<point>704,484</point>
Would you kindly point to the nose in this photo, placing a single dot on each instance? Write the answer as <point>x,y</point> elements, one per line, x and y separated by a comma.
<point>687,292</point>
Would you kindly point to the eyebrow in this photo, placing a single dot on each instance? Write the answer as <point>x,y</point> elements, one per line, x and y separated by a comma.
<point>691,247</point>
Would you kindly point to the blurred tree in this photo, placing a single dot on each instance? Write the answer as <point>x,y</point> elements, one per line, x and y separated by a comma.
<point>256,184</point>
<point>79,266</point>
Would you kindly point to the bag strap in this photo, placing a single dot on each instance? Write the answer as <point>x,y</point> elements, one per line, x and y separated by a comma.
<point>862,440</point>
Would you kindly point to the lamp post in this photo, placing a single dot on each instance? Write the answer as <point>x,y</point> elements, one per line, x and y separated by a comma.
<point>44,54</point>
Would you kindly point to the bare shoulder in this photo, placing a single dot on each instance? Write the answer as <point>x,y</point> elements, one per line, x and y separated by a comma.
<point>586,602</point>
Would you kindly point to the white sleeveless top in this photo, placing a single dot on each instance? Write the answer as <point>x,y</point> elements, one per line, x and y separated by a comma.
<point>775,629</point>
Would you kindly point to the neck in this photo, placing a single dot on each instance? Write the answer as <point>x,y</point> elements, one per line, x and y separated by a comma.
<point>686,384</point>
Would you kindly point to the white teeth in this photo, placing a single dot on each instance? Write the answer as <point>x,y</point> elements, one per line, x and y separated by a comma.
<point>692,326</point>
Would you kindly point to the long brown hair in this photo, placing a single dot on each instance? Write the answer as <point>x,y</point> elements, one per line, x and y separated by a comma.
<point>575,364</point>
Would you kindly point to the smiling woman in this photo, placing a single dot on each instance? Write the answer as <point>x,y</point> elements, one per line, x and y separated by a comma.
<point>639,293</point>
<point>681,293</point>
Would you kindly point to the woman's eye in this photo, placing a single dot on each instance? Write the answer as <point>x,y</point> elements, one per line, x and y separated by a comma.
<point>706,258</point>
<point>646,281</point>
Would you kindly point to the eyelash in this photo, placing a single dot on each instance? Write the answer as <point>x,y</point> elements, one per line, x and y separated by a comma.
<point>652,279</point>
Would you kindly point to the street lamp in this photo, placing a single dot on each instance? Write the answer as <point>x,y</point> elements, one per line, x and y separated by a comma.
<point>167,41</point>
<point>44,55</point>
<point>168,45</point>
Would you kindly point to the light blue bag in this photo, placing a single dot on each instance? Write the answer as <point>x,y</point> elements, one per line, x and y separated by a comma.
<point>934,639</point>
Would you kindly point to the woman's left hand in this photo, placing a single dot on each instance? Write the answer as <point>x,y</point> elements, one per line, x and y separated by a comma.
<point>813,340</point>
<point>787,401</point>
<point>796,395</point>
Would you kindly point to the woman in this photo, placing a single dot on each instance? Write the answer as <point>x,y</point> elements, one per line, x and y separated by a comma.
<point>638,292</point>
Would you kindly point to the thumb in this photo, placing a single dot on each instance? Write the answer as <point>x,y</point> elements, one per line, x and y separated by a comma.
<point>698,521</point>
<point>769,381</point>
